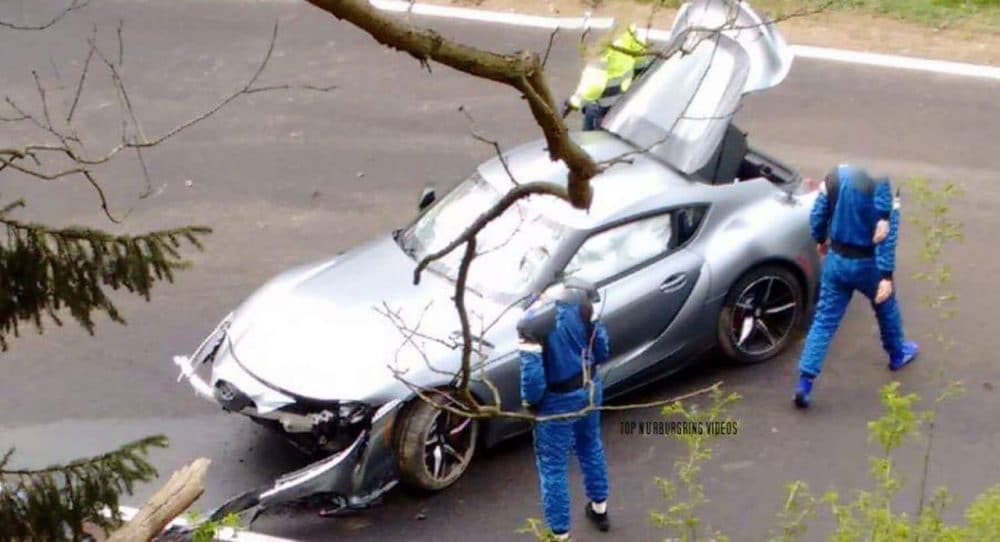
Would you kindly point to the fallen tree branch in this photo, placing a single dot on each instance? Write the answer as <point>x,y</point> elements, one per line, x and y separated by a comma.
<point>463,318</point>
<point>176,496</point>
<point>522,71</point>
<point>481,412</point>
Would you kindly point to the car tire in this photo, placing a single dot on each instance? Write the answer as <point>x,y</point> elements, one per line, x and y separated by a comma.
<point>762,315</point>
<point>434,447</point>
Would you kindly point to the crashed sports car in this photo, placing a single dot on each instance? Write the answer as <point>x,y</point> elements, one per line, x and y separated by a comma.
<point>695,240</point>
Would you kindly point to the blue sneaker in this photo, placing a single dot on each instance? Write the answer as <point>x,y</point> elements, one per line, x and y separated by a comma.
<point>803,390</point>
<point>905,356</point>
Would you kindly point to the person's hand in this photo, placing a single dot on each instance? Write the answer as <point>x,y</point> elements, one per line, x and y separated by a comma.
<point>884,291</point>
<point>881,231</point>
<point>822,248</point>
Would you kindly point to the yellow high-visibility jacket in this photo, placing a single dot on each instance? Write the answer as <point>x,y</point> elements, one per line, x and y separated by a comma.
<point>614,70</point>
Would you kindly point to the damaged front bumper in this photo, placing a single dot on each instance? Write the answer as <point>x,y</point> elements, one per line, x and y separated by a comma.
<point>351,479</point>
<point>258,401</point>
<point>362,466</point>
<point>232,387</point>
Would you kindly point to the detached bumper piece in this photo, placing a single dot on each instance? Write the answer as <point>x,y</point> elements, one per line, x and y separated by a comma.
<point>352,479</point>
<point>201,388</point>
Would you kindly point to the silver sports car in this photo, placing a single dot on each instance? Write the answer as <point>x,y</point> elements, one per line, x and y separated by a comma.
<point>696,240</point>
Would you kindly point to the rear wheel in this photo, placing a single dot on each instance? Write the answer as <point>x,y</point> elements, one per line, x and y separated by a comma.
<point>434,447</point>
<point>762,314</point>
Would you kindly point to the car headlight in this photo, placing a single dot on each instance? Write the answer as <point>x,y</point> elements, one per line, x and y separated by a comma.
<point>209,348</point>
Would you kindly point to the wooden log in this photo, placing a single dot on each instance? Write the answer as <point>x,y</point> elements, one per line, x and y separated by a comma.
<point>183,488</point>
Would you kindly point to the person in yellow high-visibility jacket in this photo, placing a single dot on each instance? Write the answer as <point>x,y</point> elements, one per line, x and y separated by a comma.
<point>606,78</point>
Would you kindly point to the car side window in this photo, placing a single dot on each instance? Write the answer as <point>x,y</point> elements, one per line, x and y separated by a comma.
<point>688,221</point>
<point>610,252</point>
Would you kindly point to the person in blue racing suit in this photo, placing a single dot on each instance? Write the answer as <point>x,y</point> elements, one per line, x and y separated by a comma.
<point>560,347</point>
<point>860,218</point>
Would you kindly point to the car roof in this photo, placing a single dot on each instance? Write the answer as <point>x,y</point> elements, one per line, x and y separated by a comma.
<point>638,183</point>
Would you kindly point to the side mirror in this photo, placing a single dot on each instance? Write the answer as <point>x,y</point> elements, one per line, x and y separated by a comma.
<point>427,197</point>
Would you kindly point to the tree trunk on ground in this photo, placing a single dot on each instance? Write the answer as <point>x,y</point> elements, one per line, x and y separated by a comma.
<point>183,488</point>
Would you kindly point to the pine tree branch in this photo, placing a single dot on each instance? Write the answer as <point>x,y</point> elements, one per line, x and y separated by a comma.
<point>142,445</point>
<point>54,503</point>
<point>44,270</point>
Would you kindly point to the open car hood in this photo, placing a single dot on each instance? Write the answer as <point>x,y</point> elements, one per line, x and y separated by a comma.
<point>680,108</point>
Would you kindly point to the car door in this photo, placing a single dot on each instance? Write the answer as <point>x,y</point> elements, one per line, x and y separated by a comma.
<point>679,110</point>
<point>643,280</point>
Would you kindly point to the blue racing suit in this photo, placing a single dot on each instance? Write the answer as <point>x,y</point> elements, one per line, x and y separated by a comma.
<point>846,213</point>
<point>545,371</point>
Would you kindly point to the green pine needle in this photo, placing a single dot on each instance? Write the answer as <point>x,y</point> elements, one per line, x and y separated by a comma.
<point>54,503</point>
<point>45,270</point>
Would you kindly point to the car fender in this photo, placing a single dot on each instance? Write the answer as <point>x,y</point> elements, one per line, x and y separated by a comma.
<point>770,230</point>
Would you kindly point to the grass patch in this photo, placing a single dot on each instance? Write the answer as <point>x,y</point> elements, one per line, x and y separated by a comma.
<point>974,14</point>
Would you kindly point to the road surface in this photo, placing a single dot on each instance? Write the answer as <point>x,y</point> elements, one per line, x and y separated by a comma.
<point>292,177</point>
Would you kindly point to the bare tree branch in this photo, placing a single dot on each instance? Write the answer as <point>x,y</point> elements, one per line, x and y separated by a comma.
<point>493,143</point>
<point>72,6</point>
<point>397,320</point>
<point>482,412</point>
<point>46,158</point>
<point>83,78</point>
<point>677,45</point>
<point>521,71</point>
<point>548,48</point>
<point>409,334</point>
<point>463,317</point>
<point>14,118</point>
<point>517,230</point>
<point>493,212</point>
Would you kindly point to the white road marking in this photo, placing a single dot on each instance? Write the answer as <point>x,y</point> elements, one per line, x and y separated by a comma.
<point>805,51</point>
<point>472,14</point>
<point>226,534</point>
<point>902,62</point>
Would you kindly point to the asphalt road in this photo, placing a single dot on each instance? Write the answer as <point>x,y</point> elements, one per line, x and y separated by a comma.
<point>291,177</point>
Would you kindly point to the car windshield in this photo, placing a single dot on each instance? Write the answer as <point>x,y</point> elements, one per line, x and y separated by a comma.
<point>510,250</point>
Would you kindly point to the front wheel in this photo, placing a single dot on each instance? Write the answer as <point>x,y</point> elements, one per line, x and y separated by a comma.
<point>761,314</point>
<point>434,446</point>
